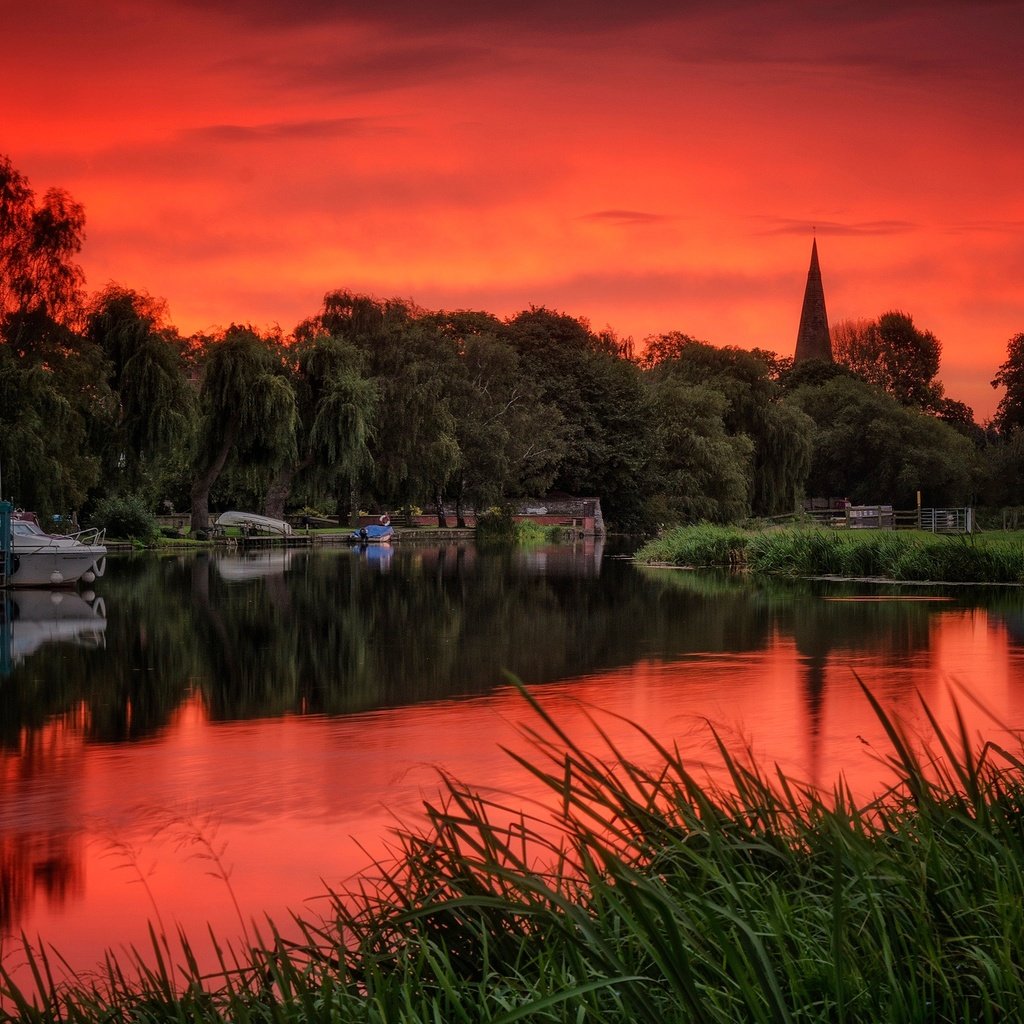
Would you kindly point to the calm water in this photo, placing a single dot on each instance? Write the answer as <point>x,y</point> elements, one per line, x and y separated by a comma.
<point>269,718</point>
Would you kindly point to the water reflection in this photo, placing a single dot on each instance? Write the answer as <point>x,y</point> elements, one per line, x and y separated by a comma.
<point>31,618</point>
<point>300,698</point>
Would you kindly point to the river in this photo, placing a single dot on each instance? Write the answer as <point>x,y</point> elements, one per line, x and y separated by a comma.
<point>212,738</point>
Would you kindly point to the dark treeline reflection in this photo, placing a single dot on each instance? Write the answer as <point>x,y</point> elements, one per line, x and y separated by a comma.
<point>339,631</point>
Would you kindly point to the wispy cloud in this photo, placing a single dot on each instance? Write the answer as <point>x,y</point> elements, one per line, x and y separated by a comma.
<point>784,226</point>
<point>280,131</point>
<point>626,218</point>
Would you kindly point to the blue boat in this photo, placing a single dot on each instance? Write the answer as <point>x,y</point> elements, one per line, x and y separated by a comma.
<point>373,534</point>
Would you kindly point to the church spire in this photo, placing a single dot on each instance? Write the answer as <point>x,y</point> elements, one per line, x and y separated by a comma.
<point>812,339</point>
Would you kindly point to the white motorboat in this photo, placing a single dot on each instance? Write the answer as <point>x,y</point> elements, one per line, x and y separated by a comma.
<point>40,559</point>
<point>252,521</point>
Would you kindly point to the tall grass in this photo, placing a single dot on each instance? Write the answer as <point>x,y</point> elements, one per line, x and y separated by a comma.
<point>649,895</point>
<point>817,552</point>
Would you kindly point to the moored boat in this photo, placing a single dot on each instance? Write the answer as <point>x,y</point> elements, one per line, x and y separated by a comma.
<point>40,559</point>
<point>373,534</point>
<point>252,521</point>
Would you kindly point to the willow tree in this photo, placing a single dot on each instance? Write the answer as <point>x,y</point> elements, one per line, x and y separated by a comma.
<point>155,411</point>
<point>45,458</point>
<point>248,412</point>
<point>699,471</point>
<point>335,405</point>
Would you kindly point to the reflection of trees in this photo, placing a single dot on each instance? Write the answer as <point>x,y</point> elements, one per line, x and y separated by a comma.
<point>338,631</point>
<point>35,859</point>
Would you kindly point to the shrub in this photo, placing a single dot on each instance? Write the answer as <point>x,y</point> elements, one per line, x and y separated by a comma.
<point>127,516</point>
<point>497,525</point>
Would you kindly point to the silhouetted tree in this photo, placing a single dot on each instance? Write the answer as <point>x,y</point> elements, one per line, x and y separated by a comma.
<point>604,405</point>
<point>894,355</point>
<point>39,278</point>
<point>336,406</point>
<point>1010,375</point>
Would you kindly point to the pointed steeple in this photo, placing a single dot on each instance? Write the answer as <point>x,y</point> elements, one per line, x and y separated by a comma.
<point>812,339</point>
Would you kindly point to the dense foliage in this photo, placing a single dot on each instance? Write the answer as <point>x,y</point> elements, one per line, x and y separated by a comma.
<point>378,403</point>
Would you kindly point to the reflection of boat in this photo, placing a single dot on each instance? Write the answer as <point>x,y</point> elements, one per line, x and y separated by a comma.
<point>378,554</point>
<point>252,521</point>
<point>373,534</point>
<point>252,565</point>
<point>41,559</point>
<point>30,619</point>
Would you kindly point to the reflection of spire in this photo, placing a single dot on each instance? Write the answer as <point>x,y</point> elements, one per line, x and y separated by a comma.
<point>812,339</point>
<point>814,695</point>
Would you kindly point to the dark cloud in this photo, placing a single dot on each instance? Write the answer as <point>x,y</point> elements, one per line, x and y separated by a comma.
<point>626,218</point>
<point>748,18</point>
<point>444,15</point>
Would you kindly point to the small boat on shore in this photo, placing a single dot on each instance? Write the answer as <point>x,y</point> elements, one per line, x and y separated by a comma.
<point>252,521</point>
<point>373,534</point>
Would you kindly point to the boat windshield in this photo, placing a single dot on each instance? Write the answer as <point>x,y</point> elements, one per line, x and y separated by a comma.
<point>26,529</point>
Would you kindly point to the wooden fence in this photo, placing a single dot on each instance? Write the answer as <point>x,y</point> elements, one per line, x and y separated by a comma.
<point>885,517</point>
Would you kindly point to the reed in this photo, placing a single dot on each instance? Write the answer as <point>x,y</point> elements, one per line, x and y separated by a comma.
<point>648,893</point>
<point>815,552</point>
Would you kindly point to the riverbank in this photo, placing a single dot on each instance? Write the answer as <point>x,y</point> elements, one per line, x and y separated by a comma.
<point>797,551</point>
<point>650,895</point>
<point>234,537</point>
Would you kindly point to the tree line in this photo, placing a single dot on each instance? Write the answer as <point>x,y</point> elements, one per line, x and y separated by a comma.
<point>382,404</point>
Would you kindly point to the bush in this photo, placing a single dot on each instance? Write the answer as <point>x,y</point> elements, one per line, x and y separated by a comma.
<point>497,525</point>
<point>127,517</point>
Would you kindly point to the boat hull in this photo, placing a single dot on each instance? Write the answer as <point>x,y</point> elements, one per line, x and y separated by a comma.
<point>372,535</point>
<point>57,567</point>
<point>41,559</point>
<point>252,521</point>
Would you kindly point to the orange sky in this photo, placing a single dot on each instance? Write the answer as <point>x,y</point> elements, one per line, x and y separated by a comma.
<point>649,166</point>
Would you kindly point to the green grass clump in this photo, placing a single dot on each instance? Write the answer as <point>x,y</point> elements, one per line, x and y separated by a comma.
<point>699,546</point>
<point>903,555</point>
<point>649,895</point>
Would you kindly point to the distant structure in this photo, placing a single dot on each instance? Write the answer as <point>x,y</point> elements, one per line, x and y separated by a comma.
<point>812,339</point>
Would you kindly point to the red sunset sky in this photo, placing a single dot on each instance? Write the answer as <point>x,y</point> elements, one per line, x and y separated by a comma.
<point>649,166</point>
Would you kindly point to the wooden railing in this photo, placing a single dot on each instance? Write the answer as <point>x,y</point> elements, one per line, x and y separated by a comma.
<point>885,517</point>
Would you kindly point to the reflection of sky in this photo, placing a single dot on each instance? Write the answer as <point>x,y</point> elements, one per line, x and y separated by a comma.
<point>296,802</point>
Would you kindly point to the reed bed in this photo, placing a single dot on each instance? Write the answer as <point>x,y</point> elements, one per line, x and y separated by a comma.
<point>816,552</point>
<point>650,895</point>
